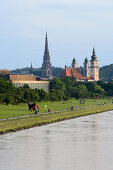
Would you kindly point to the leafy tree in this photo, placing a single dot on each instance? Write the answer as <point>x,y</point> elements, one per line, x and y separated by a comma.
<point>57,84</point>
<point>69,81</point>
<point>59,95</point>
<point>42,94</point>
<point>79,91</point>
<point>8,99</point>
<point>34,96</point>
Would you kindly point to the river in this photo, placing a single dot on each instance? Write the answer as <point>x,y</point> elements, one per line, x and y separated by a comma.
<point>84,143</point>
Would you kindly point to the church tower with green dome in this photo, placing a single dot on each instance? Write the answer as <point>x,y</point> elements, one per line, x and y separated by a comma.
<point>74,63</point>
<point>86,68</point>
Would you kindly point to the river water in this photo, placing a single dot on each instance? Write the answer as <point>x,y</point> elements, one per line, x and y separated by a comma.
<point>84,143</point>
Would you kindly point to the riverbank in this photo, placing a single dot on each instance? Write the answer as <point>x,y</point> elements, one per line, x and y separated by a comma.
<point>40,120</point>
<point>9,111</point>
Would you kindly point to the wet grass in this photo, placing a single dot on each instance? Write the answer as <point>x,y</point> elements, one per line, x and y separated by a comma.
<point>22,109</point>
<point>39,120</point>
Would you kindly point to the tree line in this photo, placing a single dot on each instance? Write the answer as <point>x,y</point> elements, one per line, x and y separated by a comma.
<point>59,89</point>
<point>81,90</point>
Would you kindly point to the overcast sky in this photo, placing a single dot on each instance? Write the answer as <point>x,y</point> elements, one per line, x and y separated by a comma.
<point>73,27</point>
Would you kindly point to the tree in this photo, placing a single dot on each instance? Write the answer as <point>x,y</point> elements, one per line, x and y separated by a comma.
<point>57,84</point>
<point>42,94</point>
<point>8,99</point>
<point>59,95</point>
<point>79,92</point>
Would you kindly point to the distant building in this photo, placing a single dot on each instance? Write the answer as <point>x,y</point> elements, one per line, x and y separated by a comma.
<point>5,74</point>
<point>22,77</point>
<point>33,84</point>
<point>46,65</point>
<point>73,72</point>
<point>91,68</point>
<point>31,80</point>
<point>21,80</point>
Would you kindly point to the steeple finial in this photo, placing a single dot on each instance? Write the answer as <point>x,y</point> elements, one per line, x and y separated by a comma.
<point>93,57</point>
<point>31,65</point>
<point>93,50</point>
<point>46,44</point>
<point>86,60</point>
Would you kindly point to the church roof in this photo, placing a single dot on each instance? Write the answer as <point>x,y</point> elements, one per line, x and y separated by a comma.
<point>73,72</point>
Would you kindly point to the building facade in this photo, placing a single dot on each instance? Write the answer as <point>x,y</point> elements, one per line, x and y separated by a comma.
<point>32,84</point>
<point>46,71</point>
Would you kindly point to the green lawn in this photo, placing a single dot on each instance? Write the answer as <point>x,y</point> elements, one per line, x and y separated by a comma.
<point>22,109</point>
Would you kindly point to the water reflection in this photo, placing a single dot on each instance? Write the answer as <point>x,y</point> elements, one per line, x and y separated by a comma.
<point>80,144</point>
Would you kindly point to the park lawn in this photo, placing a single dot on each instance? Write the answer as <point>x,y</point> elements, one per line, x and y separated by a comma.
<point>7,111</point>
<point>39,120</point>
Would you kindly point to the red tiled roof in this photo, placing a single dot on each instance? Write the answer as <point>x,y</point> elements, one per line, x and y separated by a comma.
<point>73,72</point>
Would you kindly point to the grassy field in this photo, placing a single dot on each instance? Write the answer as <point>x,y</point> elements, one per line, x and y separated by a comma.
<point>22,109</point>
<point>39,120</point>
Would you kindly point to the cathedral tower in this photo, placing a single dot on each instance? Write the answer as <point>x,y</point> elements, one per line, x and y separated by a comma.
<point>94,68</point>
<point>46,65</point>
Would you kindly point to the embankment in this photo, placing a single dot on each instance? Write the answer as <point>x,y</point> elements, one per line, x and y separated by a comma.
<point>40,120</point>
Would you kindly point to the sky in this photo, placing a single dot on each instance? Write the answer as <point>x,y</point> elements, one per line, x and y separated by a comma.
<point>73,27</point>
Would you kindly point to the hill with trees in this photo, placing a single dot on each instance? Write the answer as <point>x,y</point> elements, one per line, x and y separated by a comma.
<point>106,72</point>
<point>56,71</point>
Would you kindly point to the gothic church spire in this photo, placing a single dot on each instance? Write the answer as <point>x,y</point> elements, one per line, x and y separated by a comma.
<point>46,65</point>
<point>46,52</point>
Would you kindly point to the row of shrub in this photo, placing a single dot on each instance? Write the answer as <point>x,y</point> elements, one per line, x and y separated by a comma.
<point>10,94</point>
<point>59,89</point>
<point>76,89</point>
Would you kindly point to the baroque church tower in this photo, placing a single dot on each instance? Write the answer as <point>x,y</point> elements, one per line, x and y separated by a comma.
<point>46,65</point>
<point>91,68</point>
<point>94,68</point>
